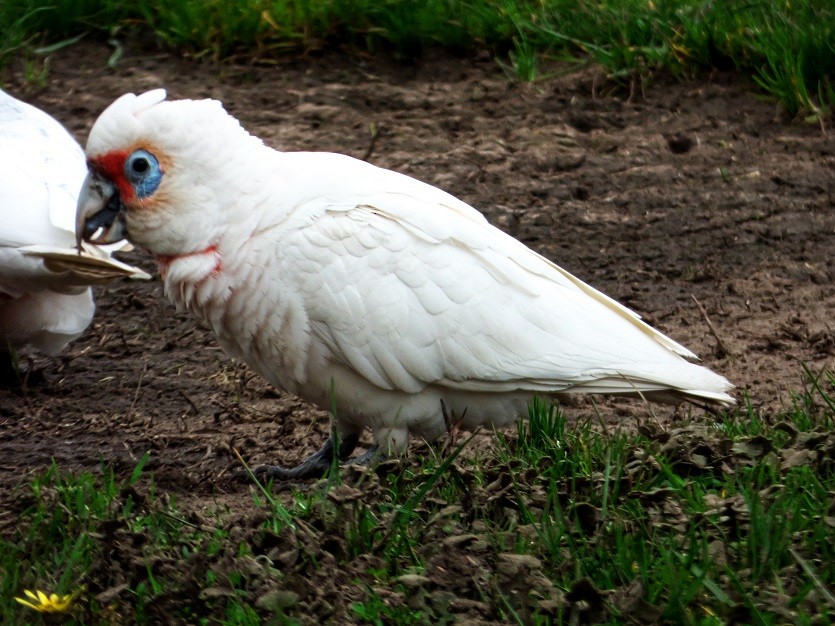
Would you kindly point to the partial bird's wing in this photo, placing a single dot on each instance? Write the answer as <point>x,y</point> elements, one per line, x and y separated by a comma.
<point>39,146</point>
<point>25,199</point>
<point>41,172</point>
<point>410,293</point>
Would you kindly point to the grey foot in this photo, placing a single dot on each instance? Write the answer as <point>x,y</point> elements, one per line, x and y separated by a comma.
<point>318,463</point>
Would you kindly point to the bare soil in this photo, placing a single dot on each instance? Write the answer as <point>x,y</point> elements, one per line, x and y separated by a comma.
<point>687,202</point>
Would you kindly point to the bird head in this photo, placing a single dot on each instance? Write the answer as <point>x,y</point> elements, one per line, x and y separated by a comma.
<point>154,171</point>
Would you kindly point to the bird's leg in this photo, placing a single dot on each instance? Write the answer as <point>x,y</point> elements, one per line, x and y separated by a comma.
<point>13,375</point>
<point>316,464</point>
<point>9,374</point>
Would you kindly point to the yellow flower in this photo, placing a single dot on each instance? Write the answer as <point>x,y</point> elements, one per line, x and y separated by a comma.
<point>46,603</point>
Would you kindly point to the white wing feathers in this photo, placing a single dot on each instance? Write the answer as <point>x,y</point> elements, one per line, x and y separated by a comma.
<point>41,154</point>
<point>438,296</point>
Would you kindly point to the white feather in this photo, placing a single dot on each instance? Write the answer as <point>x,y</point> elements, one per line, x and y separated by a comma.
<point>320,270</point>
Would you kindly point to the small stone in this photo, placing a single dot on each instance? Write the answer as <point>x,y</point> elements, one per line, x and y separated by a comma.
<point>318,112</point>
<point>455,541</point>
<point>251,567</point>
<point>284,558</point>
<point>277,600</point>
<point>797,458</point>
<point>513,564</point>
<point>441,600</point>
<point>466,605</point>
<point>754,447</point>
<point>413,581</point>
<point>108,595</point>
<point>550,607</point>
<point>345,493</point>
<point>214,593</point>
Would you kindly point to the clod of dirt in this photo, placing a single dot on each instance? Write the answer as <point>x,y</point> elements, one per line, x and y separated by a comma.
<point>413,581</point>
<point>277,600</point>
<point>521,582</point>
<point>754,447</point>
<point>512,565</point>
<point>629,603</point>
<point>586,601</point>
<point>587,517</point>
<point>679,144</point>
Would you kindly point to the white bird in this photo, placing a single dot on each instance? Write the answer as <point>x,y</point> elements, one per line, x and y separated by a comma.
<point>332,277</point>
<point>45,295</point>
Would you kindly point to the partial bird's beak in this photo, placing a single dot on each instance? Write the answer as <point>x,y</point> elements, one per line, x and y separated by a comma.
<point>99,217</point>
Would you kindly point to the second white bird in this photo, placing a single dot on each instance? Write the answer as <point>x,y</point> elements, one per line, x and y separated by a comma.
<point>45,296</point>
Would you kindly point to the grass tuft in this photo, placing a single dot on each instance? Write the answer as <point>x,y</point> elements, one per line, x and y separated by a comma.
<point>786,47</point>
<point>713,521</point>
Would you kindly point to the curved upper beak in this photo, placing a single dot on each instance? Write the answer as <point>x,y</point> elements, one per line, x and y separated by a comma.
<point>100,217</point>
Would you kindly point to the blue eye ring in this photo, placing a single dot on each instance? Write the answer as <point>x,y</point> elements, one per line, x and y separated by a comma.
<point>143,172</point>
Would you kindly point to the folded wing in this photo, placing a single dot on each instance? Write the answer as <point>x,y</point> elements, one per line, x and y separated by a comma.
<point>410,294</point>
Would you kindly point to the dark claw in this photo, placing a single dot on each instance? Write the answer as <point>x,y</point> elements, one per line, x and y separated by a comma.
<point>373,454</point>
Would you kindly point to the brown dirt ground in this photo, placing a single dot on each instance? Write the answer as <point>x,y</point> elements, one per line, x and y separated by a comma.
<point>685,196</point>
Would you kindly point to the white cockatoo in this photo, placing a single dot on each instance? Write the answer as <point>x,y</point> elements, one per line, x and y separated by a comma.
<point>349,284</point>
<point>45,295</point>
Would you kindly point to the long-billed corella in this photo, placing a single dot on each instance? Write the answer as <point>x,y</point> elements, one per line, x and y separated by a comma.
<point>358,287</point>
<point>45,295</point>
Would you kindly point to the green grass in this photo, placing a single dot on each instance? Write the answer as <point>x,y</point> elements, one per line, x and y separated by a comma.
<point>707,522</point>
<point>71,531</point>
<point>786,46</point>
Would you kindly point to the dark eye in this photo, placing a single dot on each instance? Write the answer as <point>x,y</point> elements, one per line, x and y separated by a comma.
<point>140,165</point>
<point>143,172</point>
